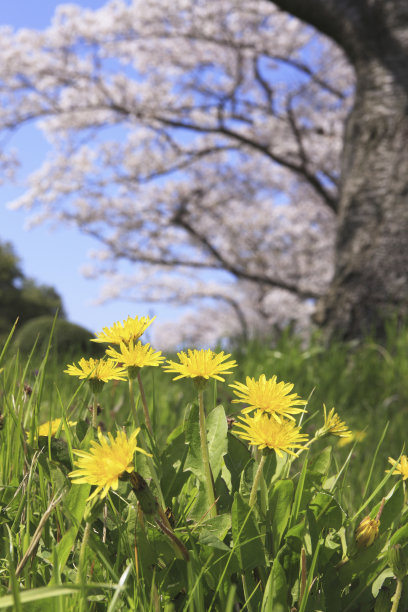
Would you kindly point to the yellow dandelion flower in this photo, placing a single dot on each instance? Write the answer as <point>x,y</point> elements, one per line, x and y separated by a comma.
<point>106,462</point>
<point>401,468</point>
<point>135,356</point>
<point>201,365</point>
<point>367,532</point>
<point>129,329</point>
<point>51,427</point>
<point>268,396</point>
<point>97,371</point>
<point>356,436</point>
<point>333,425</point>
<point>264,432</point>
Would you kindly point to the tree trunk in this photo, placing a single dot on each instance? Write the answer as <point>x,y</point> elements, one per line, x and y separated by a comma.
<point>371,274</point>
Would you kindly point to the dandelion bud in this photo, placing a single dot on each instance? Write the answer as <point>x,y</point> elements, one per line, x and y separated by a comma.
<point>367,532</point>
<point>398,561</point>
<point>145,497</point>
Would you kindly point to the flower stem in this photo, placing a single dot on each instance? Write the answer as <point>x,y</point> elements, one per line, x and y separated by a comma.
<point>264,491</point>
<point>255,484</point>
<point>132,402</point>
<point>82,552</point>
<point>95,411</point>
<point>209,485</point>
<point>144,445</point>
<point>397,596</point>
<point>144,404</point>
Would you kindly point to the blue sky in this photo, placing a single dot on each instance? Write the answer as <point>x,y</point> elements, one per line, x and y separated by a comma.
<point>54,257</point>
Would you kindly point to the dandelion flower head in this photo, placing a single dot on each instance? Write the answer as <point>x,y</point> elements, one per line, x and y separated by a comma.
<point>356,436</point>
<point>400,468</point>
<point>106,461</point>
<point>97,369</point>
<point>201,364</point>
<point>51,427</point>
<point>333,425</point>
<point>130,329</point>
<point>265,432</point>
<point>269,396</point>
<point>135,355</point>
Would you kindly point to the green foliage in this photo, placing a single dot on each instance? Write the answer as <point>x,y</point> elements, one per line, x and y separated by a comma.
<point>367,382</point>
<point>20,296</point>
<point>68,339</point>
<point>294,548</point>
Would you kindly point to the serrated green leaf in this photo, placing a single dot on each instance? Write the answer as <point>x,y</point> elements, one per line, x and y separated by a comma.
<point>236,459</point>
<point>247,541</point>
<point>172,466</point>
<point>276,590</point>
<point>194,459</point>
<point>392,508</point>
<point>379,581</point>
<point>320,463</point>
<point>247,479</point>
<point>217,525</point>
<point>81,429</point>
<point>294,536</point>
<point>74,507</point>
<point>327,512</point>
<point>217,428</point>
<point>58,448</point>
<point>400,536</point>
<point>280,500</point>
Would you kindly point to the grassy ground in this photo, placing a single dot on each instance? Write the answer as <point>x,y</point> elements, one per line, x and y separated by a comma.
<point>61,552</point>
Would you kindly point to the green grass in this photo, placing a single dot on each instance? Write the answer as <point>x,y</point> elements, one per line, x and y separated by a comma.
<point>285,551</point>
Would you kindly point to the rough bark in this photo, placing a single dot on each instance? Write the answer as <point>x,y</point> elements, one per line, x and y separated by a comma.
<point>371,275</point>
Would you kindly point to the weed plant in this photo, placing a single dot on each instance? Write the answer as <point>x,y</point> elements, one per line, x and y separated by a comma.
<point>201,517</point>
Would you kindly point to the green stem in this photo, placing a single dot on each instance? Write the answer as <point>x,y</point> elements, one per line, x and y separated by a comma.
<point>264,490</point>
<point>255,484</point>
<point>82,553</point>
<point>144,445</point>
<point>95,411</point>
<point>144,404</point>
<point>397,596</point>
<point>132,403</point>
<point>209,485</point>
<point>246,593</point>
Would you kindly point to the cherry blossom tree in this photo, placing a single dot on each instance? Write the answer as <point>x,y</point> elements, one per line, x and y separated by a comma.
<point>199,140</point>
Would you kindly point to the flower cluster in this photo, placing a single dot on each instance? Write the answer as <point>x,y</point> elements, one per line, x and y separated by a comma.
<point>109,460</point>
<point>272,425</point>
<point>127,359</point>
<point>267,421</point>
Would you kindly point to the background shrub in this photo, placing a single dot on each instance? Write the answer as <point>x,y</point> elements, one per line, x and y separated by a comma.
<point>68,339</point>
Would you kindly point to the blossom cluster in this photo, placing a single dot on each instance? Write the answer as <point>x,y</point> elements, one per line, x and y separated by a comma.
<point>217,157</point>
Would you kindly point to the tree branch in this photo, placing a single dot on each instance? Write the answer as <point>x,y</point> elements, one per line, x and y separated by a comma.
<point>340,20</point>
